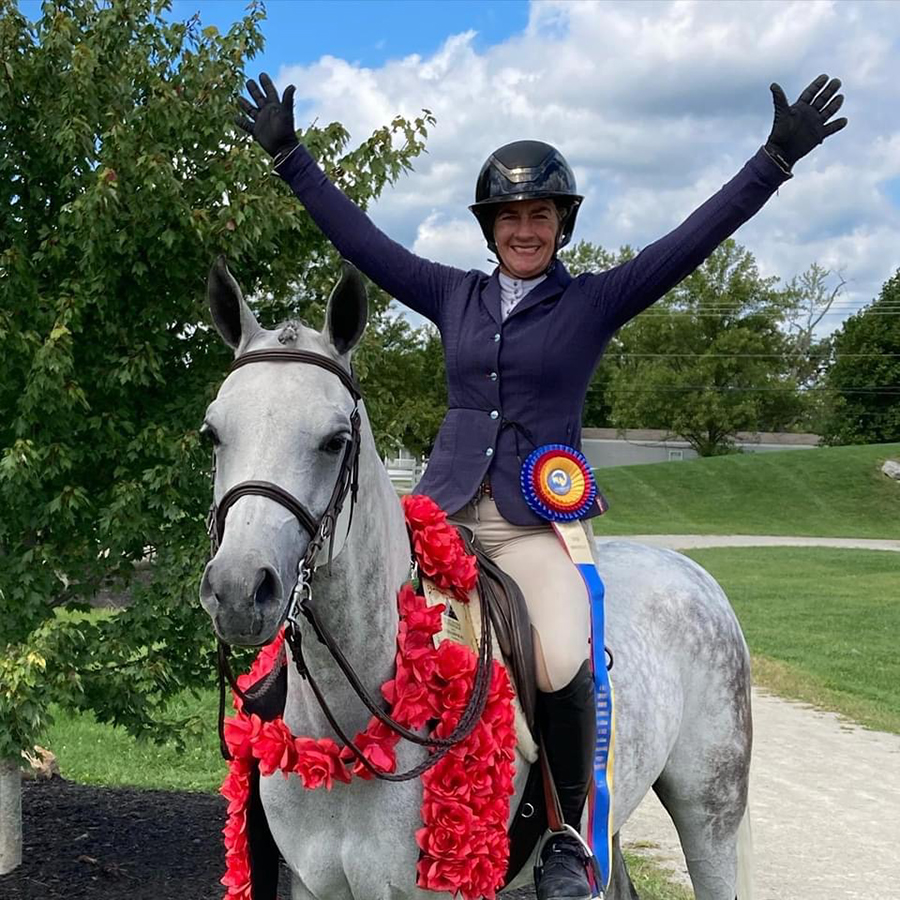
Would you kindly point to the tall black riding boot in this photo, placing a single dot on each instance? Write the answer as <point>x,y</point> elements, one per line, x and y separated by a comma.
<point>568,723</point>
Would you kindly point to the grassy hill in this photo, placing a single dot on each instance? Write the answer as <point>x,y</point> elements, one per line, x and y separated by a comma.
<point>825,492</point>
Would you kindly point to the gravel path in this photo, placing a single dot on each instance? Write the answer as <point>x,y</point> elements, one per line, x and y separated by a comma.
<point>698,541</point>
<point>825,807</point>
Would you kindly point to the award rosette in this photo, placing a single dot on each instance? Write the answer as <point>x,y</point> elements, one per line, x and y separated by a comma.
<point>558,484</point>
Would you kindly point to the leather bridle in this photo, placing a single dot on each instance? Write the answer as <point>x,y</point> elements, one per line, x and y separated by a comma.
<point>300,603</point>
<point>322,529</point>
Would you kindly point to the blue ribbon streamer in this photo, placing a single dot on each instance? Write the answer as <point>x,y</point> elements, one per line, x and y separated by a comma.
<point>599,818</point>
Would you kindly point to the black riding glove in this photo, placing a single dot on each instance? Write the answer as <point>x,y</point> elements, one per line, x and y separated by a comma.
<point>269,120</point>
<point>801,127</point>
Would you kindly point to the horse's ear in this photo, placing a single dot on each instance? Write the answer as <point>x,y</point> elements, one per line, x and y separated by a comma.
<point>233,319</point>
<point>347,312</point>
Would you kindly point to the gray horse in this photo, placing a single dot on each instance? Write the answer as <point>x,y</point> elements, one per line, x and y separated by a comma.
<point>681,673</point>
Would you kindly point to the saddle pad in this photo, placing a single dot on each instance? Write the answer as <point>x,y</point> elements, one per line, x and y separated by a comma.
<point>461,623</point>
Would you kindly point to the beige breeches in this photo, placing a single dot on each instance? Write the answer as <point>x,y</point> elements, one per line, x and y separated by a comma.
<point>554,591</point>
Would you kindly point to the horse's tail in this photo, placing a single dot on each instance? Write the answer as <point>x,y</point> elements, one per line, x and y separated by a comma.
<point>745,858</point>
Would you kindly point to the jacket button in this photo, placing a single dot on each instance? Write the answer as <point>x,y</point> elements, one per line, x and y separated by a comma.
<point>497,337</point>
<point>493,376</point>
<point>489,451</point>
<point>495,414</point>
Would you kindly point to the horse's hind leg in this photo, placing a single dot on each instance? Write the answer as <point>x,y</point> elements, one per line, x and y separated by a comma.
<point>705,781</point>
<point>706,796</point>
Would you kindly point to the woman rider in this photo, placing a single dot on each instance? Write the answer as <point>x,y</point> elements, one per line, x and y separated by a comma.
<point>520,347</point>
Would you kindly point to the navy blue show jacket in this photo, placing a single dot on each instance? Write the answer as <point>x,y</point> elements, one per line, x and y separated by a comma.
<point>516,385</point>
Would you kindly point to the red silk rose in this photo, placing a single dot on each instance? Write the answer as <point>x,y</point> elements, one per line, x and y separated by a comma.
<point>456,817</point>
<point>440,551</point>
<point>377,744</point>
<point>448,780</point>
<point>319,763</point>
<point>274,748</point>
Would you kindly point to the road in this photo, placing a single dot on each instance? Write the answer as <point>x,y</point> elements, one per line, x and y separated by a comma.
<point>702,541</point>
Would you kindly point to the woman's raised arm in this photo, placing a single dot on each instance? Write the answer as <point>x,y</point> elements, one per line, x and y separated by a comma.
<point>623,292</point>
<point>416,282</point>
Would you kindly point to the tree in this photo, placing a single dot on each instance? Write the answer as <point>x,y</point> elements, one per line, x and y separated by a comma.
<point>811,299</point>
<point>863,380</point>
<point>407,398</point>
<point>121,179</point>
<point>708,359</point>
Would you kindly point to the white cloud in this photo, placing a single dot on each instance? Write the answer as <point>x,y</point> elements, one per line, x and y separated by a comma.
<point>656,105</point>
<point>454,241</point>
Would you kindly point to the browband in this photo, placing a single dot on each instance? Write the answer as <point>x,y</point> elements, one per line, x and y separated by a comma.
<point>303,356</point>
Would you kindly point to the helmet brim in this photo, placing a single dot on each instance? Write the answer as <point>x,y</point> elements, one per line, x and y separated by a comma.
<point>567,199</point>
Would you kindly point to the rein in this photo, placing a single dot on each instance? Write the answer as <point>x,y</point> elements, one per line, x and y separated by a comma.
<point>320,531</point>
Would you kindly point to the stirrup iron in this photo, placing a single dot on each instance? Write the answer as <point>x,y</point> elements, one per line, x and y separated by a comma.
<point>594,873</point>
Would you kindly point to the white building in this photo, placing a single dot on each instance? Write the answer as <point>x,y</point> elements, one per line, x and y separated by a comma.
<point>606,447</point>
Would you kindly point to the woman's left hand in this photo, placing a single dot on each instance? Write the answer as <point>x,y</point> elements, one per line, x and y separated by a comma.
<point>800,127</point>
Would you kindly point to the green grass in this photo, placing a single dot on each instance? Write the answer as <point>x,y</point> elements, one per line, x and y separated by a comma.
<point>93,753</point>
<point>824,492</point>
<point>822,624</point>
<point>653,881</point>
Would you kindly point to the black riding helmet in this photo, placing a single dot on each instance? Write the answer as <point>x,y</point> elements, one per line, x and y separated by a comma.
<point>526,170</point>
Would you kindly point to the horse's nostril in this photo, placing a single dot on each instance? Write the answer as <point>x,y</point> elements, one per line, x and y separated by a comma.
<point>267,589</point>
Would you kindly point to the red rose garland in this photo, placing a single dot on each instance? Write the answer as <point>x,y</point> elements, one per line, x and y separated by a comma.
<point>465,802</point>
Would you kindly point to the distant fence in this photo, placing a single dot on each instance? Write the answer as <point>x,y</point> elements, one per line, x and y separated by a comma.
<point>405,473</point>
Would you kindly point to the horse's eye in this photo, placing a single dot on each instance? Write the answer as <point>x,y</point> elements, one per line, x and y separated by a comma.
<point>335,443</point>
<point>207,432</point>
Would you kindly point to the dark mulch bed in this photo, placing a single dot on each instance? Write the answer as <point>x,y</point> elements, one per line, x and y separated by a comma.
<point>123,844</point>
<point>118,844</point>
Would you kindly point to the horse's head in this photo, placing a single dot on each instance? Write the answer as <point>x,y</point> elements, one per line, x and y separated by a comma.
<point>279,422</point>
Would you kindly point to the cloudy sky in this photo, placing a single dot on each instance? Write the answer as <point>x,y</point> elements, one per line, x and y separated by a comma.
<point>655,105</point>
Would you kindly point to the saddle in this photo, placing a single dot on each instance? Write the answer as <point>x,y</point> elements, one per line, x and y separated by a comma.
<point>511,629</point>
<point>511,626</point>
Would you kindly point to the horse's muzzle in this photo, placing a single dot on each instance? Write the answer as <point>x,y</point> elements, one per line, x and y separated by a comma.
<point>245,602</point>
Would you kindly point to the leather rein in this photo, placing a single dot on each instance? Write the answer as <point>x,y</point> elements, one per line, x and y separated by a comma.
<point>322,530</point>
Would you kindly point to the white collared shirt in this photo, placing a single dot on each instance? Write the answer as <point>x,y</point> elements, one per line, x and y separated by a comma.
<point>512,290</point>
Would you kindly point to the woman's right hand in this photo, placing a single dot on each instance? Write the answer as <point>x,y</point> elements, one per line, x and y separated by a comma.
<point>269,120</point>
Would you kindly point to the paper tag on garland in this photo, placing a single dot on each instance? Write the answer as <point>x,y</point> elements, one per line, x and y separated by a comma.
<point>456,621</point>
<point>558,485</point>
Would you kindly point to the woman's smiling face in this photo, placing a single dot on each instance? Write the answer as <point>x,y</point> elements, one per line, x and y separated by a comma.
<point>525,234</point>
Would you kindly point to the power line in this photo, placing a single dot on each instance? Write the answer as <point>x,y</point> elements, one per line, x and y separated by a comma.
<point>890,390</point>
<point>610,354</point>
<point>708,312</point>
